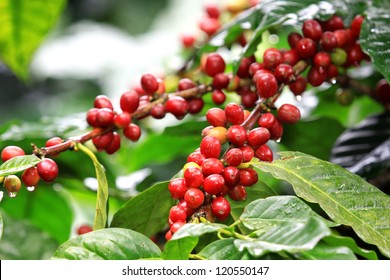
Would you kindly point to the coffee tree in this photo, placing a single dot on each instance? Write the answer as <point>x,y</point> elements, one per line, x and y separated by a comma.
<point>259,170</point>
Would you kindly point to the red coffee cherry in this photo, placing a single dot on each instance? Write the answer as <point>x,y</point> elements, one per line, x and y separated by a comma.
<point>214,64</point>
<point>187,40</point>
<point>122,120</point>
<point>30,177</point>
<point>53,141</point>
<point>266,120</point>
<point>158,111</point>
<point>196,157</point>
<point>266,85</point>
<point>321,59</point>
<point>220,208</point>
<point>342,37</point>
<point>284,73</point>
<point>212,10</point>
<point>354,55</point>
<point>12,184</point>
<point>176,226</point>
<point>184,205</point>
<point>312,29</point>
<point>248,99</point>
<point>288,113</point>
<point>185,84</point>
<point>218,132</point>
<point>177,188</point>
<point>306,48</point>
<point>299,86</point>
<point>102,141</point>
<point>132,132</point>
<point>382,91</point>
<point>193,177</point>
<point>168,235</point>
<point>213,184</point>
<point>91,117</point>
<point>231,175</point>
<point>216,117</point>
<point>356,25</point>
<point>177,214</point>
<point>276,130</point>
<point>293,39</point>
<point>209,25</point>
<point>177,106</point>
<point>316,76</point>
<point>334,23</point>
<point>238,193</point>
<point>149,83</point>
<point>234,113</point>
<point>129,101</point>
<point>104,117</point>
<point>194,197</point>
<point>10,152</point>
<point>210,147</point>
<point>195,105</point>
<point>254,67</point>
<point>114,145</point>
<point>221,81</point>
<point>211,166</point>
<point>272,58</point>
<point>290,57</point>
<point>102,101</point>
<point>247,153</point>
<point>264,153</point>
<point>83,229</point>
<point>332,71</point>
<point>237,135</point>
<point>248,177</point>
<point>218,96</point>
<point>47,170</point>
<point>234,157</point>
<point>243,68</point>
<point>258,136</point>
<point>328,41</point>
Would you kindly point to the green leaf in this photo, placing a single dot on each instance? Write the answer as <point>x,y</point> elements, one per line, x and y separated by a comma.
<point>24,24</point>
<point>147,212</point>
<point>272,211</point>
<point>1,226</point>
<point>22,240</point>
<point>259,190</point>
<point>18,164</point>
<point>179,249</point>
<point>100,220</point>
<point>344,196</point>
<point>375,35</point>
<point>312,131</point>
<point>336,240</point>
<point>109,244</point>
<point>325,251</point>
<point>223,250</point>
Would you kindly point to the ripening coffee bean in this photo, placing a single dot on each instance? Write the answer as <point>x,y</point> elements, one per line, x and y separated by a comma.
<point>185,84</point>
<point>210,147</point>
<point>231,175</point>
<point>220,208</point>
<point>177,188</point>
<point>149,83</point>
<point>177,214</point>
<point>248,177</point>
<point>234,114</point>
<point>312,29</point>
<point>114,145</point>
<point>272,58</point>
<point>288,113</point>
<point>10,152</point>
<point>102,101</point>
<point>238,193</point>
<point>264,153</point>
<point>306,48</point>
<point>30,177</point>
<point>258,136</point>
<point>266,84</point>
<point>193,177</point>
<point>104,117</point>
<point>102,141</point>
<point>214,64</point>
<point>213,184</point>
<point>47,170</point>
<point>298,86</point>
<point>233,157</point>
<point>211,166</point>
<point>194,197</point>
<point>266,120</point>
<point>177,106</point>
<point>237,135</point>
<point>129,101</point>
<point>132,132</point>
<point>122,120</point>
<point>12,183</point>
<point>83,229</point>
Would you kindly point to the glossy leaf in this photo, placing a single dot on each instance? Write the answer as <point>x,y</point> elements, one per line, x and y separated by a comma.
<point>223,249</point>
<point>325,251</point>
<point>100,220</point>
<point>109,244</point>
<point>147,212</point>
<point>273,211</point>
<point>18,164</point>
<point>22,240</point>
<point>196,230</point>
<point>24,25</point>
<point>375,35</point>
<point>179,249</point>
<point>344,196</point>
<point>350,243</point>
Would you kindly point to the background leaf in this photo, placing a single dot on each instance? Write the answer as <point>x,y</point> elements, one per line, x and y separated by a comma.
<point>325,251</point>
<point>223,249</point>
<point>23,241</point>
<point>375,33</point>
<point>147,212</point>
<point>179,249</point>
<point>18,164</point>
<point>344,196</point>
<point>24,25</point>
<point>109,244</point>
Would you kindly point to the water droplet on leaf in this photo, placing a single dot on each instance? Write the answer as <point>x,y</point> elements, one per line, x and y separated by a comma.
<point>31,188</point>
<point>12,194</point>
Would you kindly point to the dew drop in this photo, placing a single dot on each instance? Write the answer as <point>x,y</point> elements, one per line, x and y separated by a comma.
<point>12,194</point>
<point>1,195</point>
<point>31,188</point>
<point>278,140</point>
<point>298,98</point>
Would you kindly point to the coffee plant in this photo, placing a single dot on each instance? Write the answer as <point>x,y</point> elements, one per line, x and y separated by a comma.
<point>280,147</point>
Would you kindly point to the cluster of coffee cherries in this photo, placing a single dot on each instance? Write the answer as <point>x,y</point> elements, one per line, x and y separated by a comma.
<point>46,169</point>
<point>209,176</point>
